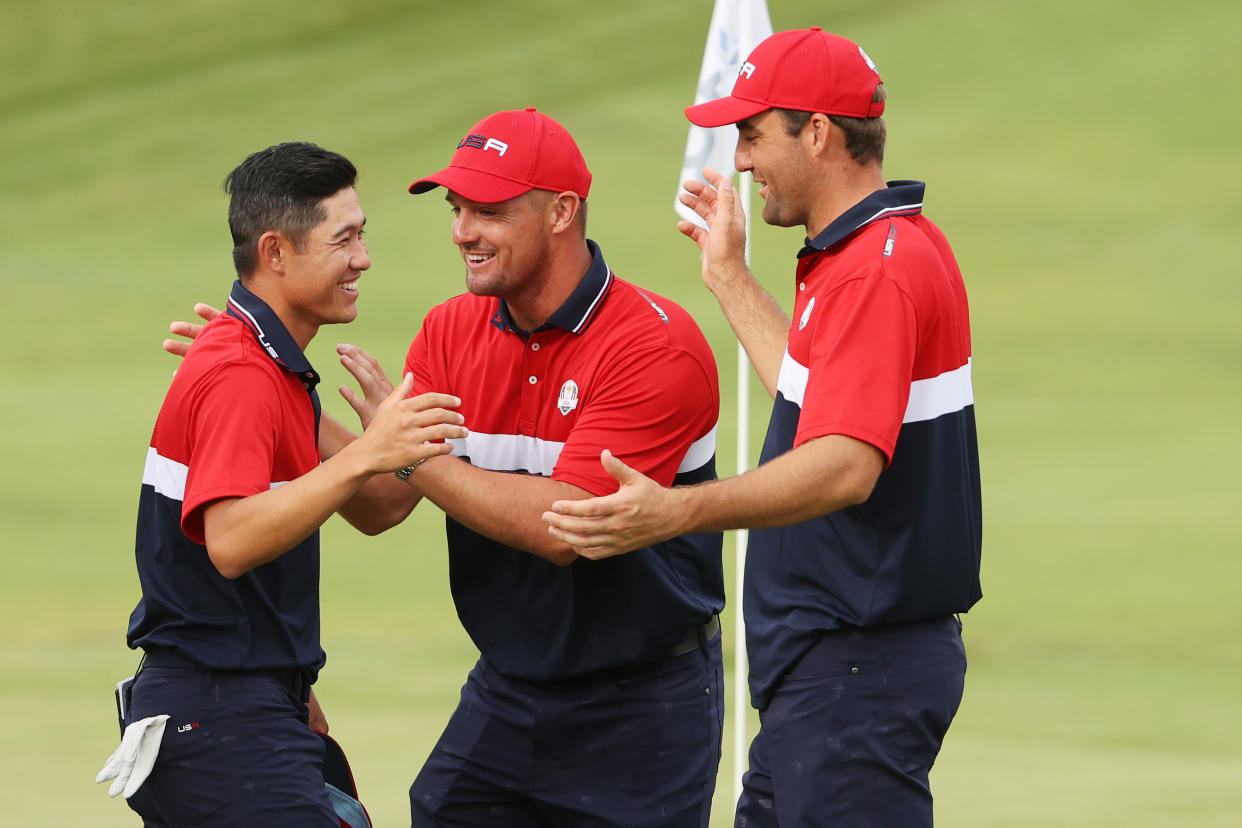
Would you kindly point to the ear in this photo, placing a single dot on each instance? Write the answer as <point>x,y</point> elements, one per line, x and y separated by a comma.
<point>564,209</point>
<point>272,254</point>
<point>820,133</point>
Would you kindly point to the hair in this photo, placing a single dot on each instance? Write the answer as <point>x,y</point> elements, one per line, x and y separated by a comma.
<point>864,137</point>
<point>281,188</point>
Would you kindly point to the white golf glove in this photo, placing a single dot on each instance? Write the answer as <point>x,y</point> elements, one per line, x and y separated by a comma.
<point>131,763</point>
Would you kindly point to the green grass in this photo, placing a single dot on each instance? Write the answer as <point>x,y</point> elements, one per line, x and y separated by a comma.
<point>1081,157</point>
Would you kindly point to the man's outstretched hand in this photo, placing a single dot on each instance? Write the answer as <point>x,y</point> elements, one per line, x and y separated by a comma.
<point>640,513</point>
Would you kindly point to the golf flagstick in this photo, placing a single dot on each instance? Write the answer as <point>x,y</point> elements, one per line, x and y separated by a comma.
<point>736,27</point>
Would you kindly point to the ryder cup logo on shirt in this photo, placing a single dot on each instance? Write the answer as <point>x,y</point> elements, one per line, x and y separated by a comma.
<point>806,314</point>
<point>568,399</point>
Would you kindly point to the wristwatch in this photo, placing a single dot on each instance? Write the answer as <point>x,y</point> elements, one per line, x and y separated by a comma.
<point>404,474</point>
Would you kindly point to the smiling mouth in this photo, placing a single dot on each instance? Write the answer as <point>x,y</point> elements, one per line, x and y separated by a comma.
<point>478,258</point>
<point>350,287</point>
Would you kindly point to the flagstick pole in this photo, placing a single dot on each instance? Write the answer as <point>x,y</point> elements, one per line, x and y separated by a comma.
<point>740,661</point>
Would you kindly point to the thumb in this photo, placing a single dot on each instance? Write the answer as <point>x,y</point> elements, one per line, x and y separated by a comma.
<point>622,473</point>
<point>403,390</point>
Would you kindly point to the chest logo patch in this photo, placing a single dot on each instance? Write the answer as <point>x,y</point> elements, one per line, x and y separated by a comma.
<point>567,400</point>
<point>806,314</point>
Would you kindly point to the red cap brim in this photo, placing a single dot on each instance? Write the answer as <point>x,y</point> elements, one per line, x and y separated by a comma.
<point>482,187</point>
<point>724,111</point>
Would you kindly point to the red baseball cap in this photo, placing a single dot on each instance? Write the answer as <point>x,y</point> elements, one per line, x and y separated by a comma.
<point>809,70</point>
<point>510,153</point>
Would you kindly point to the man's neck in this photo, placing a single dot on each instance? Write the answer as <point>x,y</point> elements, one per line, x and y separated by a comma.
<point>848,184</point>
<point>565,270</point>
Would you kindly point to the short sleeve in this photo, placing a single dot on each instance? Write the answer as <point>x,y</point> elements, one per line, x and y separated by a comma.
<point>417,360</point>
<point>861,357</point>
<point>233,431</point>
<point>649,410</point>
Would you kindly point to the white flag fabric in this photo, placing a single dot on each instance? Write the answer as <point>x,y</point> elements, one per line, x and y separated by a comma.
<point>737,27</point>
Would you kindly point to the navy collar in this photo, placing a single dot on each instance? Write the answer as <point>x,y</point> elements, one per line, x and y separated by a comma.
<point>271,333</point>
<point>902,198</point>
<point>579,309</point>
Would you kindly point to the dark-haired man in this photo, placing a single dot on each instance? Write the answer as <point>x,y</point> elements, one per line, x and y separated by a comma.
<point>233,494</point>
<point>865,504</point>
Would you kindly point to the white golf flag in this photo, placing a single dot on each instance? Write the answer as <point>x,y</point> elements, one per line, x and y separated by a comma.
<point>737,27</point>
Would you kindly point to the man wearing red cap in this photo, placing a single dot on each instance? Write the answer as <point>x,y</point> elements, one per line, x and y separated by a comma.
<point>866,502</point>
<point>597,696</point>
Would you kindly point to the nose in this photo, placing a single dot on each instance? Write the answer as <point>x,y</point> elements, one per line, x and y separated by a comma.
<point>464,230</point>
<point>741,156</point>
<point>360,259</point>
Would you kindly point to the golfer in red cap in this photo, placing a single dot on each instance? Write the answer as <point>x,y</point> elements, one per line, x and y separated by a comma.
<point>866,502</point>
<point>597,696</point>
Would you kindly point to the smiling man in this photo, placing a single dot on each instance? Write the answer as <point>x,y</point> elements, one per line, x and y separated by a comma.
<point>596,699</point>
<point>233,494</point>
<point>866,503</point>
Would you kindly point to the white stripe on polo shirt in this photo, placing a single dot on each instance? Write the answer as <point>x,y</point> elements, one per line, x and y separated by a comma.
<point>520,452</point>
<point>508,452</point>
<point>167,477</point>
<point>929,398</point>
<point>700,452</point>
<point>792,380</point>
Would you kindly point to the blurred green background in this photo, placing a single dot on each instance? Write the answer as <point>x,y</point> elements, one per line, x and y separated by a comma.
<point>1081,156</point>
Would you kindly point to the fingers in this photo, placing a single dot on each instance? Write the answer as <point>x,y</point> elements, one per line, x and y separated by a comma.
<point>594,546</point>
<point>176,347</point>
<point>206,311</point>
<point>695,233</point>
<point>359,356</point>
<point>726,197</point>
<point>358,404</point>
<point>432,400</point>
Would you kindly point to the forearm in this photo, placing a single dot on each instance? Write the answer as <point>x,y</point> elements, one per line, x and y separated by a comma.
<point>817,478</point>
<point>505,507</point>
<point>757,320</point>
<point>244,533</point>
<point>380,503</point>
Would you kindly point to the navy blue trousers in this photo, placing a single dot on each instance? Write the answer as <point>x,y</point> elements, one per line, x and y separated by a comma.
<point>236,752</point>
<point>635,749</point>
<point>851,734</point>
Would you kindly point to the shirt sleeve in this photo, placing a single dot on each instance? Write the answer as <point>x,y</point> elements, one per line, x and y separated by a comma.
<point>233,430</point>
<point>417,360</point>
<point>862,355</point>
<point>649,410</point>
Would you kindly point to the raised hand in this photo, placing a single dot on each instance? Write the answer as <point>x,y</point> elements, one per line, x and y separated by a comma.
<point>406,431</point>
<point>371,379</point>
<point>723,241</point>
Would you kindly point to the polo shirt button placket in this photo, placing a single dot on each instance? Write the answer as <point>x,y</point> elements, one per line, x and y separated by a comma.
<point>533,366</point>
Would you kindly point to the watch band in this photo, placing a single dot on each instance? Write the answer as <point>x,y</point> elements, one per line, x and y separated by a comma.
<point>404,474</point>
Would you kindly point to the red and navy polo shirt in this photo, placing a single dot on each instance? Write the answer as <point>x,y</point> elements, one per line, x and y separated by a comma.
<point>614,367</point>
<point>240,418</point>
<point>879,350</point>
